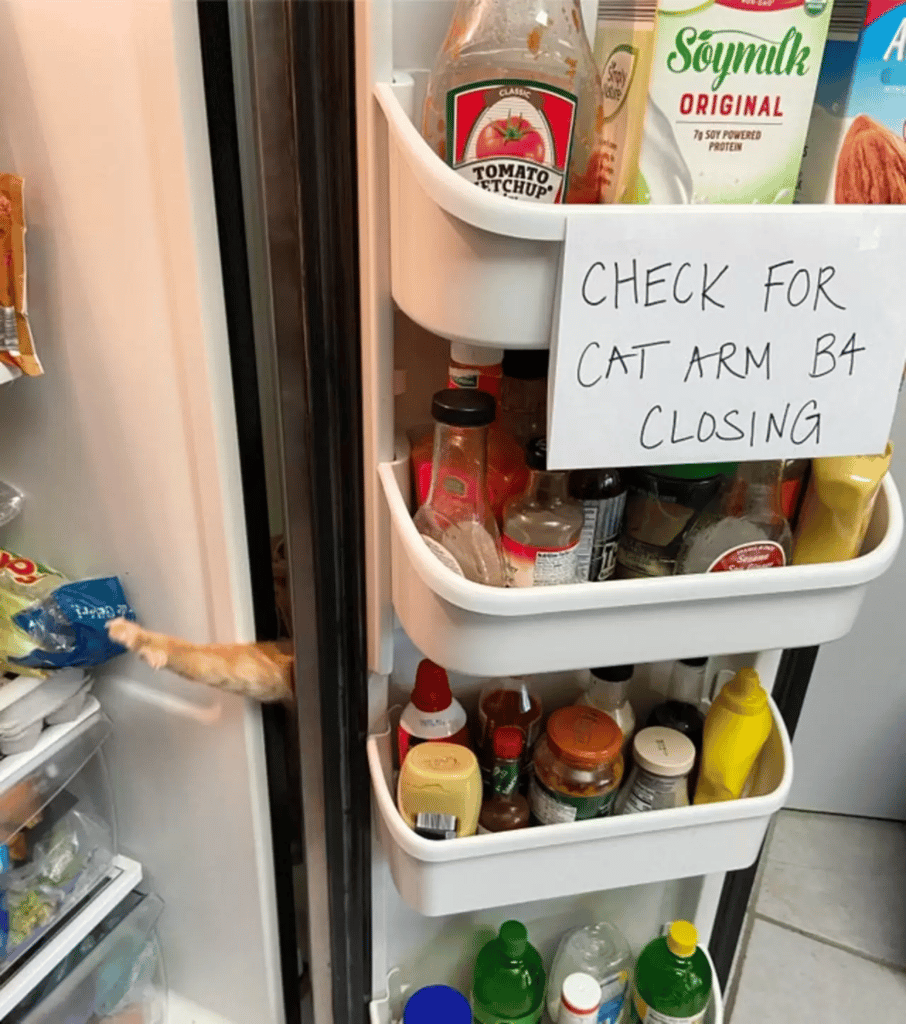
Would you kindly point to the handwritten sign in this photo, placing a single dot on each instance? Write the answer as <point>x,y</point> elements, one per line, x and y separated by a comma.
<point>712,335</point>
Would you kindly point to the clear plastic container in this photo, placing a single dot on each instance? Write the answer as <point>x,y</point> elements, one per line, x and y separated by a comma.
<point>601,951</point>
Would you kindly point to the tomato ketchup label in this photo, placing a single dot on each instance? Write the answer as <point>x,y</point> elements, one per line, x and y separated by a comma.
<point>513,138</point>
<point>529,566</point>
<point>762,554</point>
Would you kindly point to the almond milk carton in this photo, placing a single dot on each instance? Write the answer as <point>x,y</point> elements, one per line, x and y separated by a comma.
<point>731,93</point>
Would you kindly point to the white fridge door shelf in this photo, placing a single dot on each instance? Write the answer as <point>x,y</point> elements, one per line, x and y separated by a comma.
<point>388,1009</point>
<point>455,249</point>
<point>123,877</point>
<point>477,872</point>
<point>489,631</point>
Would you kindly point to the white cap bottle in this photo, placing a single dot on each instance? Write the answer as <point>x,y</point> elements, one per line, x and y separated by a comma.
<point>580,998</point>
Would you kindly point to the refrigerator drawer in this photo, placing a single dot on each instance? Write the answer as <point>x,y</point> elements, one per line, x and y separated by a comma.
<point>388,1009</point>
<point>477,872</point>
<point>490,631</point>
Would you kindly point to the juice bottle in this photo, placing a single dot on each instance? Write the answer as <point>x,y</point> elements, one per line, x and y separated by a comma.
<point>508,981</point>
<point>672,979</point>
<point>736,728</point>
<point>514,102</point>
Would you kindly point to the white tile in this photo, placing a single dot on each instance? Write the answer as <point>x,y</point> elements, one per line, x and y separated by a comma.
<point>841,878</point>
<point>788,978</point>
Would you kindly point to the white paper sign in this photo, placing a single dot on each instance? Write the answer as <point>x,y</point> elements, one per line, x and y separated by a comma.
<point>712,335</point>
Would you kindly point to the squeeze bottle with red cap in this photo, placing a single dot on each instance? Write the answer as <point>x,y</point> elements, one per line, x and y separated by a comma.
<point>433,713</point>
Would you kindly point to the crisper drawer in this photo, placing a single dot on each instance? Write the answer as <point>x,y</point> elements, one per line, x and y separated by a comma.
<point>115,974</point>
<point>483,871</point>
<point>491,631</point>
<point>60,838</point>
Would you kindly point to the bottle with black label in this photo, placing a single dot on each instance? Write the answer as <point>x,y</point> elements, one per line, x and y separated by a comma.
<point>603,496</point>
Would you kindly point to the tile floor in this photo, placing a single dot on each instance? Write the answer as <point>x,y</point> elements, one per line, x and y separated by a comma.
<point>828,942</point>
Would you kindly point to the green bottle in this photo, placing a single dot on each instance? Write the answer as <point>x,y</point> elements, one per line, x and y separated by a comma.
<point>508,982</point>
<point>672,979</point>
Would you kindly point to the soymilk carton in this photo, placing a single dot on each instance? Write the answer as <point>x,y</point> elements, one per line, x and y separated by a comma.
<point>870,164</point>
<point>829,119</point>
<point>729,102</point>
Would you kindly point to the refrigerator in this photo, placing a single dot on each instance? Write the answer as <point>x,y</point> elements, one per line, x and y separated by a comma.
<point>243,279</point>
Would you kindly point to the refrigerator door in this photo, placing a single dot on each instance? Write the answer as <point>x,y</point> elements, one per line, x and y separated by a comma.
<point>127,451</point>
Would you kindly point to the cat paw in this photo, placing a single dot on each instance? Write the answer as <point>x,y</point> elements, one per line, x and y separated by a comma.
<point>124,632</point>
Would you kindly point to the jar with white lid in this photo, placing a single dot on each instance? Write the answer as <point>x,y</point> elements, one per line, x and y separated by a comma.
<point>663,759</point>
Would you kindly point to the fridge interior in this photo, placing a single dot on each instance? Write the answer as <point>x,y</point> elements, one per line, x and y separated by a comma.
<point>126,451</point>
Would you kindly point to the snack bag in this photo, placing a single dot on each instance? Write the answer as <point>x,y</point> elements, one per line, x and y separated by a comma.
<point>17,350</point>
<point>46,622</point>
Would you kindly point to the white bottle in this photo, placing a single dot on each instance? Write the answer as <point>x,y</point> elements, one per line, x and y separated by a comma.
<point>580,997</point>
<point>601,951</point>
<point>609,692</point>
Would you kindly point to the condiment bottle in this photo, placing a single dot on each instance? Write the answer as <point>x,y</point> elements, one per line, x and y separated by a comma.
<point>433,714</point>
<point>437,1004</point>
<point>476,367</point>
<point>541,528</point>
<point>457,521</point>
<point>744,528</point>
<point>792,487</point>
<point>609,692</point>
<point>508,979</point>
<point>661,505</point>
<point>601,951</point>
<point>514,101</point>
<point>672,979</point>
<point>682,711</point>
<point>580,997</point>
<point>736,729</point>
<point>662,760</point>
<point>505,809</point>
<point>578,766</point>
<point>509,700</point>
<point>603,496</point>
<point>523,399</point>
<point>440,779</point>
<point>838,506</point>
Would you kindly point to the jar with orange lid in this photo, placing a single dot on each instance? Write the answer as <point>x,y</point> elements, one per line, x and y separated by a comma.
<point>578,767</point>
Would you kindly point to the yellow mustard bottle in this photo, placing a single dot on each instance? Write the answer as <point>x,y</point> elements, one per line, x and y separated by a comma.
<point>440,779</point>
<point>736,728</point>
<point>837,508</point>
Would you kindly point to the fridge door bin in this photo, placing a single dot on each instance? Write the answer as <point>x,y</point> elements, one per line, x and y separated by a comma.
<point>450,877</point>
<point>490,631</point>
<point>455,248</point>
<point>388,1009</point>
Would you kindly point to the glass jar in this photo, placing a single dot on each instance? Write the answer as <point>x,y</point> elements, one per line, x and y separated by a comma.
<point>662,502</point>
<point>577,767</point>
<point>663,759</point>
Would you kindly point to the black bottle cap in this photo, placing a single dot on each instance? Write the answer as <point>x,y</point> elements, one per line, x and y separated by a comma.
<point>614,673</point>
<point>526,363</point>
<point>536,453</point>
<point>694,662</point>
<point>463,407</point>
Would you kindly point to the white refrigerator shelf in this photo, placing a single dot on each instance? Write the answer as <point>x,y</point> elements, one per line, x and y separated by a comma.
<point>456,248</point>
<point>124,875</point>
<point>388,1009</point>
<point>490,631</point>
<point>477,872</point>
